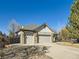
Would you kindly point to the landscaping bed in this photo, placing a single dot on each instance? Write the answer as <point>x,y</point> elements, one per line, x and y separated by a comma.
<point>24,52</point>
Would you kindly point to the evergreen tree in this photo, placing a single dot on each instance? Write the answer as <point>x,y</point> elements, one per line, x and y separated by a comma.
<point>73,25</point>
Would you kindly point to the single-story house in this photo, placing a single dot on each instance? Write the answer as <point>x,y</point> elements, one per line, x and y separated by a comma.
<point>33,34</point>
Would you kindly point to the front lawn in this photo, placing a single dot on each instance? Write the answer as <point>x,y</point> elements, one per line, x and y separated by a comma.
<point>70,44</point>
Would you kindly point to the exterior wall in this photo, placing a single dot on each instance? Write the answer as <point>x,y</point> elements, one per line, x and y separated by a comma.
<point>52,38</point>
<point>43,36</point>
<point>35,37</point>
<point>46,29</point>
<point>21,33</point>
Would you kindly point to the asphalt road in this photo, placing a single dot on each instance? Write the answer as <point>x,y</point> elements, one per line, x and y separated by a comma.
<point>63,52</point>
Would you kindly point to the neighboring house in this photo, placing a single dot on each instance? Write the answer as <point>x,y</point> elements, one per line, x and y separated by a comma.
<point>33,34</point>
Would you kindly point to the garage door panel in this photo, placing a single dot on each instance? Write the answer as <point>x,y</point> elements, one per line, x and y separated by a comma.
<point>44,39</point>
<point>29,39</point>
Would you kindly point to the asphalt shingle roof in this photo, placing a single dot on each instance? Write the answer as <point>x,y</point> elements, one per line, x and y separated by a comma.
<point>34,27</point>
<point>31,26</point>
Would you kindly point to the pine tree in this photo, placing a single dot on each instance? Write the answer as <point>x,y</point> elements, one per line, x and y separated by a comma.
<point>73,25</point>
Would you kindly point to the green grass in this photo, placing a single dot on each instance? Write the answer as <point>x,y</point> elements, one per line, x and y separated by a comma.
<point>71,44</point>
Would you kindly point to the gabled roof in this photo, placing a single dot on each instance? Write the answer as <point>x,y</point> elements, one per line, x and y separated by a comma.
<point>31,27</point>
<point>34,27</point>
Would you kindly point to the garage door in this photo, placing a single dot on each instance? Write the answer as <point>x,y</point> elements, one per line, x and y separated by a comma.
<point>44,39</point>
<point>29,39</point>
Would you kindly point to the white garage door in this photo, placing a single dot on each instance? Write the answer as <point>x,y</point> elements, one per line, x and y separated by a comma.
<point>44,39</point>
<point>29,39</point>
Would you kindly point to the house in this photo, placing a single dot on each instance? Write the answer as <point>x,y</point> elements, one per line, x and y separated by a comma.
<point>33,34</point>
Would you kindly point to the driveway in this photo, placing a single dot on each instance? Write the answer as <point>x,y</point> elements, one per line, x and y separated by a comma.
<point>63,52</point>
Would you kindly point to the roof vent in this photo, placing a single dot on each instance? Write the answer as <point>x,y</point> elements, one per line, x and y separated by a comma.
<point>22,27</point>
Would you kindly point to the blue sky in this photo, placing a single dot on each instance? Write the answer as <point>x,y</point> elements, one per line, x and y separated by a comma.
<point>53,12</point>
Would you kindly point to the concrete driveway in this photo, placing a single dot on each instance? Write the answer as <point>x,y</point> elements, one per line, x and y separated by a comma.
<point>63,52</point>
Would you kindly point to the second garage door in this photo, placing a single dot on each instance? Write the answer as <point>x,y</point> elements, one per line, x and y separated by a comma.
<point>44,39</point>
